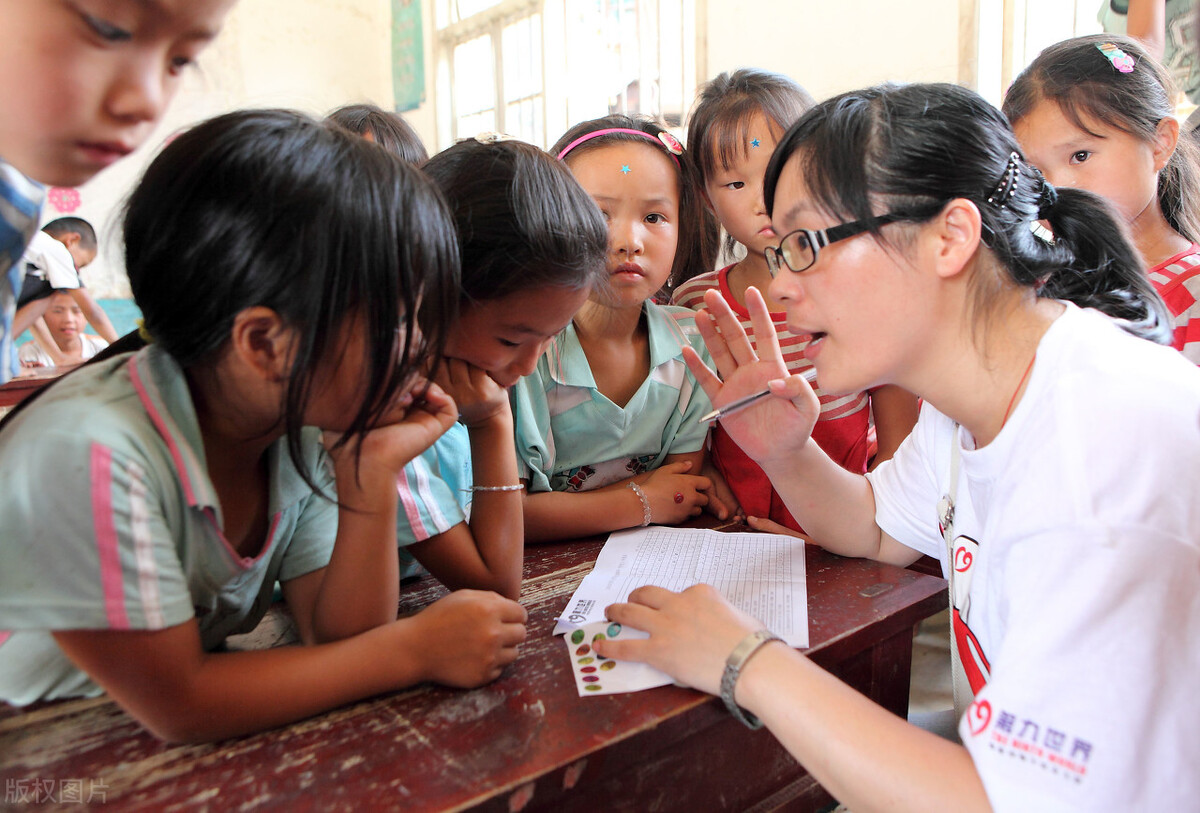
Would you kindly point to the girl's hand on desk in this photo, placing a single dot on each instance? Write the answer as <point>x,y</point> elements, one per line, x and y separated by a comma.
<point>671,479</point>
<point>777,426</point>
<point>691,633</point>
<point>468,637</point>
<point>478,396</point>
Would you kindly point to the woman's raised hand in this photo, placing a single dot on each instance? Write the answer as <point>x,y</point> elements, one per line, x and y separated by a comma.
<point>775,426</point>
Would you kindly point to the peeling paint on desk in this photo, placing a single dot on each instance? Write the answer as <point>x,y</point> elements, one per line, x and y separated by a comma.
<point>522,797</point>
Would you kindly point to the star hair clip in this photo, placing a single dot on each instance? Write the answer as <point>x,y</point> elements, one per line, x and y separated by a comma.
<point>1120,60</point>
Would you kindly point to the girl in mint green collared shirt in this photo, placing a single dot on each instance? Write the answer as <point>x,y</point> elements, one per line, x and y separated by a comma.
<point>151,501</point>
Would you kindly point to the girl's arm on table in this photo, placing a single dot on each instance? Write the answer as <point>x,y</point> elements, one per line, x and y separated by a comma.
<point>360,587</point>
<point>894,411</point>
<point>832,504</point>
<point>551,516</point>
<point>866,757</point>
<point>165,679</point>
<point>486,552</point>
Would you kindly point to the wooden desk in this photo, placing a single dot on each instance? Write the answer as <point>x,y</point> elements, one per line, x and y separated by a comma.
<point>16,390</point>
<point>526,742</point>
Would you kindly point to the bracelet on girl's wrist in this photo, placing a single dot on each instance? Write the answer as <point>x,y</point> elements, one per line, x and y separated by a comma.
<point>517,487</point>
<point>743,652</point>
<point>641,495</point>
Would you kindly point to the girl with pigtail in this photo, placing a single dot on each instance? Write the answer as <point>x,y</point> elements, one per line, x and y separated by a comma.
<point>1054,469</point>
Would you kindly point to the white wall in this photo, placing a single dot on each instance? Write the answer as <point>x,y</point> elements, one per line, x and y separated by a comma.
<point>830,47</point>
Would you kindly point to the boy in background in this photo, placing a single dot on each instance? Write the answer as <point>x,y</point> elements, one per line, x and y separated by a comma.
<point>52,263</point>
<point>64,324</point>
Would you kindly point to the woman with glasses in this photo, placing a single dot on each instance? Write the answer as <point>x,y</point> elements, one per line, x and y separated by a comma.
<point>1054,470</point>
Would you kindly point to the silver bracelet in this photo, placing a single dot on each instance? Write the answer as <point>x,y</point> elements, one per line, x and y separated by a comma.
<point>517,487</point>
<point>645,503</point>
<point>734,665</point>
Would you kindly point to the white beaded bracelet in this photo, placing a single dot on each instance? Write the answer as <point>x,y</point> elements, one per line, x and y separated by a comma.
<point>645,503</point>
<point>517,487</point>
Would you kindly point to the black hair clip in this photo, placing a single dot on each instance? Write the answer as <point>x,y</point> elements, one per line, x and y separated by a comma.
<point>1007,183</point>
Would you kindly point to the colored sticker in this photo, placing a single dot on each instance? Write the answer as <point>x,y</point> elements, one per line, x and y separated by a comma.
<point>608,665</point>
<point>583,650</point>
<point>599,636</point>
<point>592,688</point>
<point>614,630</point>
<point>587,670</point>
<point>587,660</point>
<point>577,637</point>
<point>590,678</point>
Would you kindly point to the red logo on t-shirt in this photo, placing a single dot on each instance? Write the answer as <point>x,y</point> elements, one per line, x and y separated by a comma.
<point>979,714</point>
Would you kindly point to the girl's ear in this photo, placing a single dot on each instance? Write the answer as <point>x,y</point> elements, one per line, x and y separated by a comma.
<point>263,343</point>
<point>1166,137</point>
<point>953,237</point>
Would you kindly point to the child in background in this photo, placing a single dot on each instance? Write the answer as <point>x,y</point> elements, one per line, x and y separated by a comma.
<point>83,86</point>
<point>732,133</point>
<point>532,244</point>
<point>388,130</point>
<point>52,263</point>
<point>64,323</point>
<point>1096,113</point>
<point>205,480</point>
<point>608,431</point>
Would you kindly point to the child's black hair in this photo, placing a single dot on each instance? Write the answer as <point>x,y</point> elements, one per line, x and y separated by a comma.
<point>523,220</point>
<point>689,251</point>
<point>719,130</point>
<point>914,148</point>
<point>272,208</point>
<point>388,130</point>
<point>73,225</point>
<point>1082,81</point>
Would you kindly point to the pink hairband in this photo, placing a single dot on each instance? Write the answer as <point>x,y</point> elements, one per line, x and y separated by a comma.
<point>670,142</point>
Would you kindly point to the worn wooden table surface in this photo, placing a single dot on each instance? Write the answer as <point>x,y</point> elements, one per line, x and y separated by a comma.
<point>525,742</point>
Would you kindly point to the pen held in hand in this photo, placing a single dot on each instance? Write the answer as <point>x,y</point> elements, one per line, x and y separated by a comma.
<point>737,406</point>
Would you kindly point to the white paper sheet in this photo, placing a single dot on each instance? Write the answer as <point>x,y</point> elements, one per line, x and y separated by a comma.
<point>761,574</point>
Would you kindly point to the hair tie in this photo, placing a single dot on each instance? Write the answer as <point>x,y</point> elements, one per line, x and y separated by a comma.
<point>1007,184</point>
<point>143,332</point>
<point>1047,196</point>
<point>664,139</point>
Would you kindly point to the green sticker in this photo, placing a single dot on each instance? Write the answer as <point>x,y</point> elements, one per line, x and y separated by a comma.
<point>577,637</point>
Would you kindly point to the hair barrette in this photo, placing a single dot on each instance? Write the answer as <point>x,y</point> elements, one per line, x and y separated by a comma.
<point>671,143</point>
<point>494,138</point>
<point>1007,183</point>
<point>1119,59</point>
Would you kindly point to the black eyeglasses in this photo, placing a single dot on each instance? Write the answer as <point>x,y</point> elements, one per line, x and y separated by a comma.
<point>799,249</point>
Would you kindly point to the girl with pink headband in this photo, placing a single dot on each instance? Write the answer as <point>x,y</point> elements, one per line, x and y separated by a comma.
<point>608,426</point>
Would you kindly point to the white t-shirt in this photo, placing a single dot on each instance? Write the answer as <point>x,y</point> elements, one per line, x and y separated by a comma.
<point>1084,601</point>
<point>31,353</point>
<point>49,259</point>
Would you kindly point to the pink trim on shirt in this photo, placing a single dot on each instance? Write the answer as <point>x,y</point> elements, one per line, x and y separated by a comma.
<point>161,425</point>
<point>4,636</point>
<point>107,547</point>
<point>411,512</point>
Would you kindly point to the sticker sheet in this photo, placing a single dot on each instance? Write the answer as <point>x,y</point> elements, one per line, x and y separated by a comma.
<point>595,674</point>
